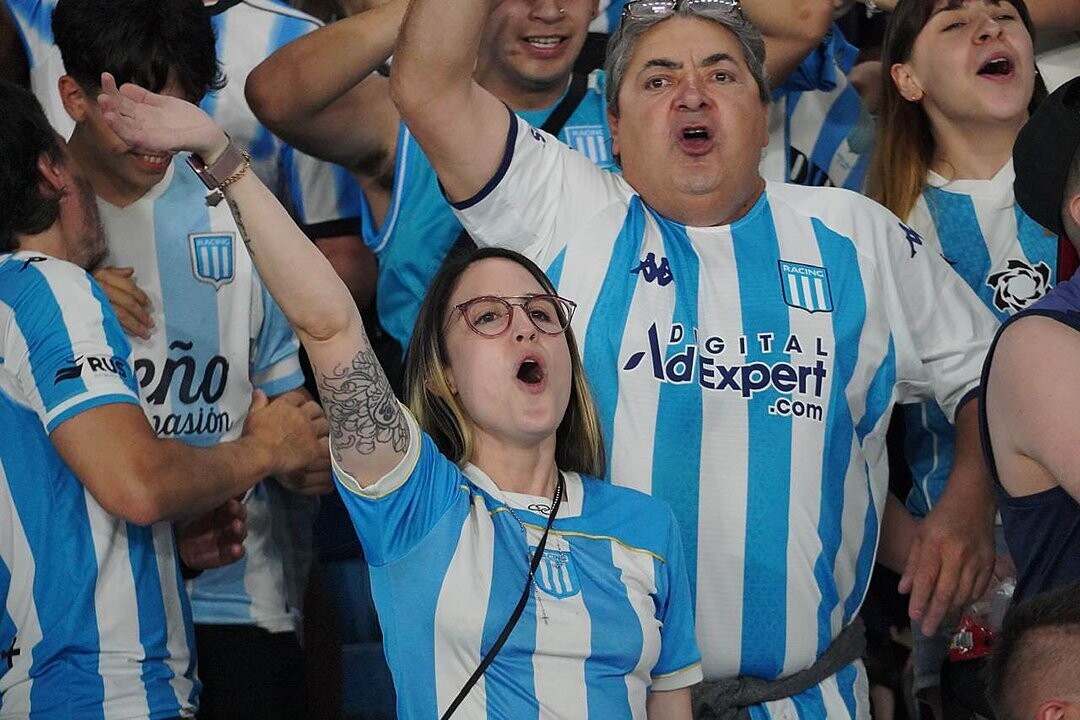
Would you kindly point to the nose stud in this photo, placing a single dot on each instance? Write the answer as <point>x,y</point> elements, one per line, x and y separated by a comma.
<point>562,11</point>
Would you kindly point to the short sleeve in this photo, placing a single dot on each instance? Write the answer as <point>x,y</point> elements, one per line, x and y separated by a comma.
<point>62,342</point>
<point>394,514</point>
<point>679,663</point>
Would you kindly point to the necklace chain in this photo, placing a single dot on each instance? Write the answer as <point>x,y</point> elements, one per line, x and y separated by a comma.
<point>528,553</point>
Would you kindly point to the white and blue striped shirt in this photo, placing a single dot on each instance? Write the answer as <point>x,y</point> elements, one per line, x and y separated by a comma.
<point>324,198</point>
<point>820,134</point>
<point>1008,259</point>
<point>609,619</point>
<point>420,227</point>
<point>745,374</point>
<point>218,335</point>
<point>95,620</point>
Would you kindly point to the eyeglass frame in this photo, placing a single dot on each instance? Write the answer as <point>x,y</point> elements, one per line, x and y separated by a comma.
<point>563,308</point>
<point>670,7</point>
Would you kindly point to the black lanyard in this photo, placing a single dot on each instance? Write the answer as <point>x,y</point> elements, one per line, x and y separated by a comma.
<point>514,616</point>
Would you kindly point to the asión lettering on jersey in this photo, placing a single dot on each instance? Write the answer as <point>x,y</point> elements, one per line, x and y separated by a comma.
<point>212,257</point>
<point>799,375</point>
<point>195,388</point>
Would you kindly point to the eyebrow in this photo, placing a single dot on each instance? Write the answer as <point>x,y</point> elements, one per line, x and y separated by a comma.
<point>959,4</point>
<point>676,65</point>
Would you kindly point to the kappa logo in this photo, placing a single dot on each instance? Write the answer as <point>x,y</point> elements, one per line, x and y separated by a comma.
<point>212,258</point>
<point>35,259</point>
<point>651,272</point>
<point>914,239</point>
<point>1019,285</point>
<point>805,286</point>
<point>95,364</point>
<point>556,574</point>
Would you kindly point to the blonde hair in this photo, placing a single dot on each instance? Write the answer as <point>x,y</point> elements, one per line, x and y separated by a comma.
<point>579,445</point>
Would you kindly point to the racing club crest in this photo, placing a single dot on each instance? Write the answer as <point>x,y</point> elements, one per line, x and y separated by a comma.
<point>212,257</point>
<point>805,286</point>
<point>556,574</point>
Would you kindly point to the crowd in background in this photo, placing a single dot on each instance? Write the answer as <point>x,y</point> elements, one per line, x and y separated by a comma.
<point>863,507</point>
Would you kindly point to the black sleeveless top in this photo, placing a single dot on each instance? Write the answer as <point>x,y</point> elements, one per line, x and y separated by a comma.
<point>1042,530</point>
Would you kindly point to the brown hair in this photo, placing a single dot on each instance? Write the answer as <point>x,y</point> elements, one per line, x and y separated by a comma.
<point>904,146</point>
<point>579,445</point>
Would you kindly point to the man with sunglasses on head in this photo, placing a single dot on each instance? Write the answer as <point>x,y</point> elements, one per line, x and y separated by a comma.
<point>746,341</point>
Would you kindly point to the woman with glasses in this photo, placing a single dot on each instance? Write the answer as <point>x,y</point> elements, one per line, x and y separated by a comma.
<point>510,582</point>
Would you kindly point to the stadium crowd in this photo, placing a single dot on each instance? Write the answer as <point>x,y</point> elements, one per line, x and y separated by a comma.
<point>508,359</point>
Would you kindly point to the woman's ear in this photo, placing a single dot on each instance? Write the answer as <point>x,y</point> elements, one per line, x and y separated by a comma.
<point>906,82</point>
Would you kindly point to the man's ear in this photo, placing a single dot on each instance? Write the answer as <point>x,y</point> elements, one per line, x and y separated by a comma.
<point>75,99</point>
<point>53,179</point>
<point>1072,209</point>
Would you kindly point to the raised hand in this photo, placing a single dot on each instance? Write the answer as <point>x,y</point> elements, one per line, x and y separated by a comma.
<point>159,123</point>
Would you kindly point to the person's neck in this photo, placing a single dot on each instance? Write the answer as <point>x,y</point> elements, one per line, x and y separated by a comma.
<point>106,187</point>
<point>520,97</point>
<point>517,469</point>
<point>708,210</point>
<point>50,242</point>
<point>973,153</point>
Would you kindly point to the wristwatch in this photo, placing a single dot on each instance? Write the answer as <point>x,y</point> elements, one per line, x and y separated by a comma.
<point>216,173</point>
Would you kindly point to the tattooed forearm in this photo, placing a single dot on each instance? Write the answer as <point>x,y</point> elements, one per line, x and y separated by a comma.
<point>239,222</point>
<point>361,407</point>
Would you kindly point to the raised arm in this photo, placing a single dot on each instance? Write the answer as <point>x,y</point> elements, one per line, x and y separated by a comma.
<point>461,126</point>
<point>368,432</point>
<point>791,30</point>
<point>321,93</point>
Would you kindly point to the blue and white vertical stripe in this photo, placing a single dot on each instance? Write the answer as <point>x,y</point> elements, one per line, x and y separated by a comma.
<point>218,336</point>
<point>115,640</point>
<point>761,422</point>
<point>1006,258</point>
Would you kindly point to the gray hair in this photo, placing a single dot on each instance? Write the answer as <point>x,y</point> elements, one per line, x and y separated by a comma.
<point>623,41</point>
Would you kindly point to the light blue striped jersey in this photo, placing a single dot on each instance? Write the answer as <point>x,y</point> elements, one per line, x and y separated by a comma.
<point>318,192</point>
<point>820,134</point>
<point>218,335</point>
<point>324,198</point>
<point>609,617</point>
<point>745,374</point>
<point>1007,258</point>
<point>420,227</point>
<point>95,622</point>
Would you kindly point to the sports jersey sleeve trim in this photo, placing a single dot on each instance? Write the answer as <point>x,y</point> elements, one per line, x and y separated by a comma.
<point>88,404</point>
<point>683,677</point>
<point>392,480</point>
<point>333,228</point>
<point>972,394</point>
<point>508,155</point>
<point>281,377</point>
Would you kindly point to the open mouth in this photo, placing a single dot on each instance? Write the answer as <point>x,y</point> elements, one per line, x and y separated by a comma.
<point>530,372</point>
<point>997,66</point>
<point>694,133</point>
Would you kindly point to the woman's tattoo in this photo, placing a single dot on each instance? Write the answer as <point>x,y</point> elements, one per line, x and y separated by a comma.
<point>239,222</point>
<point>361,407</point>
